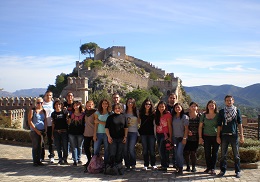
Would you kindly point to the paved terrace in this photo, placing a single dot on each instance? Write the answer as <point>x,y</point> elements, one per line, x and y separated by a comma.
<point>16,165</point>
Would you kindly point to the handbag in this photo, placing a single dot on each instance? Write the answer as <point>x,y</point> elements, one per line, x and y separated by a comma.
<point>168,144</point>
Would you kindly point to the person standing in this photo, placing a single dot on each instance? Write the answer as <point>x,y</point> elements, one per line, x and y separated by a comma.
<point>116,131</point>
<point>60,131</point>
<point>99,135</point>
<point>89,130</point>
<point>229,122</point>
<point>48,107</point>
<point>76,129</point>
<point>191,146</point>
<point>180,124</point>
<point>69,101</point>
<point>116,100</point>
<point>146,131</point>
<point>172,99</point>
<point>38,126</point>
<point>208,123</point>
<point>163,130</point>
<point>132,123</point>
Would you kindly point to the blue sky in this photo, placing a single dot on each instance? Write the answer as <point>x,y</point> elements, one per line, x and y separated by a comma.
<point>203,42</point>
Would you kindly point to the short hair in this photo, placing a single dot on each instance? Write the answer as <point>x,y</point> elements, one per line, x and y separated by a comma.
<point>228,96</point>
<point>173,94</point>
<point>69,93</point>
<point>57,101</point>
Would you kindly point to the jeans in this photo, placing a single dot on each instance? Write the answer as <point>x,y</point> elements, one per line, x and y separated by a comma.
<point>76,142</point>
<point>129,151</point>
<point>116,151</point>
<point>211,151</point>
<point>164,154</point>
<point>61,143</point>
<point>148,143</point>
<point>88,141</point>
<point>225,141</point>
<point>36,146</point>
<point>178,149</point>
<point>101,137</point>
<point>50,142</point>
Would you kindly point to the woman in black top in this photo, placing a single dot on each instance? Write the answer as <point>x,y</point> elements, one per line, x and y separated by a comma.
<point>60,131</point>
<point>146,130</point>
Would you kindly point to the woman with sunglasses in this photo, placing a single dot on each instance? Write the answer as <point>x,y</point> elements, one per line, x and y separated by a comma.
<point>132,123</point>
<point>146,130</point>
<point>38,126</point>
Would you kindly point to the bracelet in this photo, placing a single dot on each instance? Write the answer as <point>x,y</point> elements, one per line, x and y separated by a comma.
<point>125,137</point>
<point>184,138</point>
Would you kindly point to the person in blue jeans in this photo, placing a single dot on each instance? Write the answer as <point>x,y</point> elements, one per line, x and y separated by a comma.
<point>116,131</point>
<point>132,122</point>
<point>180,124</point>
<point>76,124</point>
<point>146,131</point>
<point>208,123</point>
<point>99,136</point>
<point>60,131</point>
<point>163,129</point>
<point>229,122</point>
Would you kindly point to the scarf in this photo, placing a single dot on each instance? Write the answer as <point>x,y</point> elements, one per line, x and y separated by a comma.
<point>89,112</point>
<point>230,113</point>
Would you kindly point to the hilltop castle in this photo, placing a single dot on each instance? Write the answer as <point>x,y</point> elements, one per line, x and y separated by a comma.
<point>79,86</point>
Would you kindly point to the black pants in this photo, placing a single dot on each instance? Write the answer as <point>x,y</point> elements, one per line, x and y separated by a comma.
<point>88,142</point>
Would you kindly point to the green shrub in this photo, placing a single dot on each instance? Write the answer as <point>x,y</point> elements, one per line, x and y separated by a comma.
<point>18,135</point>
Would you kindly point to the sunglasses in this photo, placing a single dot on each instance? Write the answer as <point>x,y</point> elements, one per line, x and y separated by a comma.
<point>147,104</point>
<point>39,102</point>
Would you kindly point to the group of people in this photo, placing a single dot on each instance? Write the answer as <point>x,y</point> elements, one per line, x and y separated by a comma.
<point>117,126</point>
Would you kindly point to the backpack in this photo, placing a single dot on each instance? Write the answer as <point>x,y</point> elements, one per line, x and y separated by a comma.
<point>96,164</point>
<point>114,170</point>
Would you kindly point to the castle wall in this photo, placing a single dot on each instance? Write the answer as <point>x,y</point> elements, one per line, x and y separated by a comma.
<point>114,51</point>
<point>147,66</point>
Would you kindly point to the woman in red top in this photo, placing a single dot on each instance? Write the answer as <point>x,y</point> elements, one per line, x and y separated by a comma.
<point>163,128</point>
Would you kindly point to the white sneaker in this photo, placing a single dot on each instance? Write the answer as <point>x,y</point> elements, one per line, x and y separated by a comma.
<point>144,168</point>
<point>52,160</point>
<point>154,167</point>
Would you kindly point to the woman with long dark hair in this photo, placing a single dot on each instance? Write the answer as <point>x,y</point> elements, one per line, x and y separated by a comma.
<point>146,131</point>
<point>180,123</point>
<point>163,129</point>
<point>132,122</point>
<point>99,135</point>
<point>208,121</point>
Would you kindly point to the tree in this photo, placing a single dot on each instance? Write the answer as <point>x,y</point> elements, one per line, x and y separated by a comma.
<point>88,48</point>
<point>96,64</point>
<point>87,62</point>
<point>153,76</point>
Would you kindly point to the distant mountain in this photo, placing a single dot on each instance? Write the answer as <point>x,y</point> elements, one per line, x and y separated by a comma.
<point>33,92</point>
<point>248,96</point>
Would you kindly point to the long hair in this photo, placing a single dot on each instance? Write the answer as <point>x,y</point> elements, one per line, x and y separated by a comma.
<point>142,110</point>
<point>213,102</point>
<point>80,106</point>
<point>158,114</point>
<point>174,113</point>
<point>134,106</point>
<point>100,108</point>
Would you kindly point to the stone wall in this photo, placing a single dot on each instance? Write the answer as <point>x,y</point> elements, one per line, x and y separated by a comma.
<point>135,80</point>
<point>114,51</point>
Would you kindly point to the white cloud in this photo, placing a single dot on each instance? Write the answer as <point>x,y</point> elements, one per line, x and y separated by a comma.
<point>32,71</point>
